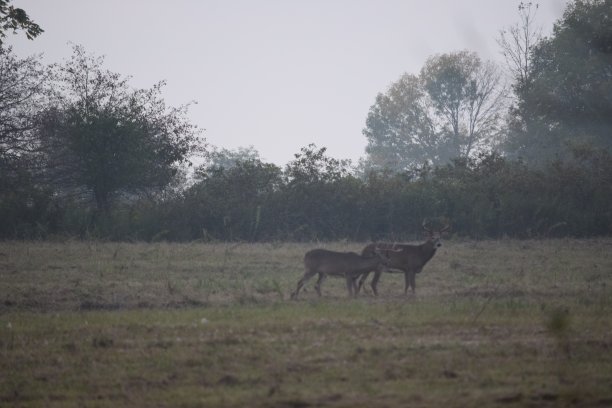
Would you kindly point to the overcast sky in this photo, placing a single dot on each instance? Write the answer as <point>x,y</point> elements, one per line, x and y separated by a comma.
<point>275,74</point>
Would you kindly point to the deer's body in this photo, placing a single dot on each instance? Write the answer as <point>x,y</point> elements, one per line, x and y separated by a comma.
<point>409,259</point>
<point>348,265</point>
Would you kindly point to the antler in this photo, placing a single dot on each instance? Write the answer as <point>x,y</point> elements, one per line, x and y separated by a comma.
<point>428,230</point>
<point>431,232</point>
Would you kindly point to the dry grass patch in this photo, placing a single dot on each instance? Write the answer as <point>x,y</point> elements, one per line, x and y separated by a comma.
<point>509,323</point>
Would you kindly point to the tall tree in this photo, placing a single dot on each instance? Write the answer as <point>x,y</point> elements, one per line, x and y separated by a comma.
<point>103,139</point>
<point>468,97</point>
<point>570,85</point>
<point>23,203</point>
<point>452,109</point>
<point>517,44</point>
<point>399,128</point>
<point>13,19</point>
<point>22,83</point>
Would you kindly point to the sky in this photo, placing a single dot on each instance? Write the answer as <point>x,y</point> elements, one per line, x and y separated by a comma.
<point>274,74</point>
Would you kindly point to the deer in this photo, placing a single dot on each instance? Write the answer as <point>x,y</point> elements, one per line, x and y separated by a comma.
<point>409,259</point>
<point>348,265</point>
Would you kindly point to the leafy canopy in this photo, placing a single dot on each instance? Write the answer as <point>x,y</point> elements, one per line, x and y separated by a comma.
<point>452,109</point>
<point>567,99</point>
<point>104,139</point>
<point>13,19</point>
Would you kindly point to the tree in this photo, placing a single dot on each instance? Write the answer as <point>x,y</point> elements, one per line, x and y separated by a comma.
<point>468,97</point>
<point>313,165</point>
<point>399,128</point>
<point>570,83</point>
<point>14,19</point>
<point>23,201</point>
<point>103,140</point>
<point>232,202</point>
<point>311,201</point>
<point>517,45</point>
<point>228,158</point>
<point>452,109</point>
<point>22,83</point>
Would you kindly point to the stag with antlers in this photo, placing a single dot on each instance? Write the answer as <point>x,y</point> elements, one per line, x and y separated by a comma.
<point>409,259</point>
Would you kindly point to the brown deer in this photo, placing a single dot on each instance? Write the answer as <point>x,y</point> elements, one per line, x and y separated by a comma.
<point>348,265</point>
<point>409,259</point>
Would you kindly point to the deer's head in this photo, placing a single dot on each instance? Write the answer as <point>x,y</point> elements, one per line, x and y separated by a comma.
<point>434,236</point>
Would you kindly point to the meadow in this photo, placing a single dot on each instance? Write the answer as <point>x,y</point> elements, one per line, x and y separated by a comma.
<point>492,323</point>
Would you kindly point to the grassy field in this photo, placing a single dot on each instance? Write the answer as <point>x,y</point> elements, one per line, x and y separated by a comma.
<point>505,323</point>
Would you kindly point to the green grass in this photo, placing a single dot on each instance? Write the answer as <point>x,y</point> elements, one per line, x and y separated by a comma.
<point>507,323</point>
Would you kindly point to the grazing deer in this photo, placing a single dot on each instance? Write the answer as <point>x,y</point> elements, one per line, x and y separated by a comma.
<point>348,265</point>
<point>409,259</point>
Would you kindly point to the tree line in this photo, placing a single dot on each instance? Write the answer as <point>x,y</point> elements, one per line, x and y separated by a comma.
<point>84,155</point>
<point>316,197</point>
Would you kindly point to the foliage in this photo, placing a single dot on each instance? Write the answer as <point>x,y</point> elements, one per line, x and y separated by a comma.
<point>104,140</point>
<point>467,95</point>
<point>487,196</point>
<point>27,210</point>
<point>23,202</point>
<point>228,158</point>
<point>89,157</point>
<point>312,165</point>
<point>399,129</point>
<point>452,109</point>
<point>312,195</point>
<point>233,203</point>
<point>12,18</point>
<point>22,96</point>
<point>517,43</point>
<point>566,101</point>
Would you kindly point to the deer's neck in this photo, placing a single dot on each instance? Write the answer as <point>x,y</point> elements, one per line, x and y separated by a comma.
<point>428,250</point>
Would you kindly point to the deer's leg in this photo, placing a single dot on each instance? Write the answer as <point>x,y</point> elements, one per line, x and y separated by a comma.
<point>307,275</point>
<point>375,280</point>
<point>408,278</point>
<point>362,281</point>
<point>319,283</point>
<point>299,286</point>
<point>413,279</point>
<point>355,286</point>
<point>350,284</point>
